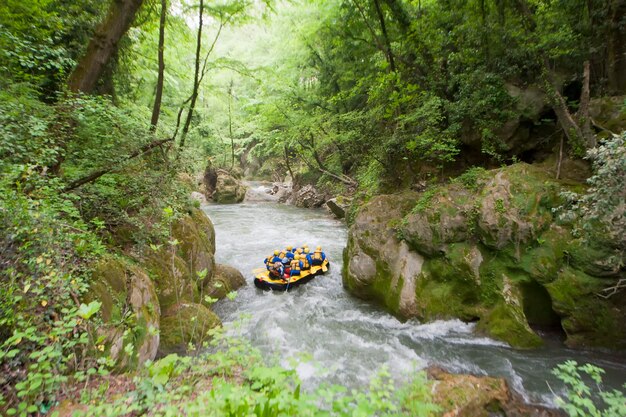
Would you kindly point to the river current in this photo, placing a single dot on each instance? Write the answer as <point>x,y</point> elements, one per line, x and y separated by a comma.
<point>349,340</point>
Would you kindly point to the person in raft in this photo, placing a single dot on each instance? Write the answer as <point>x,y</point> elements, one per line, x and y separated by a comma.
<point>318,256</point>
<point>277,270</point>
<point>286,266</point>
<point>296,266</point>
<point>306,260</point>
<point>272,259</point>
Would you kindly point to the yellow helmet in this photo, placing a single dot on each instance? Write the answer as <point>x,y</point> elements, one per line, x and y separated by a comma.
<point>318,248</point>
<point>299,250</point>
<point>289,248</point>
<point>276,252</point>
<point>306,250</point>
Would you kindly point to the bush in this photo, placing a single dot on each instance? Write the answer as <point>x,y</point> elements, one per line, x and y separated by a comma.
<point>579,400</point>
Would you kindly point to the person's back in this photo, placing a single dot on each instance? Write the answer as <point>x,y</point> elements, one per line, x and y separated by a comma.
<point>318,256</point>
<point>306,260</point>
<point>296,266</point>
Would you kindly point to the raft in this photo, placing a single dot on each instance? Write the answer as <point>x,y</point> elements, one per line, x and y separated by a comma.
<point>265,282</point>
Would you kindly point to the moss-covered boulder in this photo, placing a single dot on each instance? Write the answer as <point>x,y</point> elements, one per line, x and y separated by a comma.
<point>196,242</point>
<point>228,189</point>
<point>488,248</point>
<point>464,395</point>
<point>376,264</point>
<point>130,311</point>
<point>225,280</point>
<point>185,326</point>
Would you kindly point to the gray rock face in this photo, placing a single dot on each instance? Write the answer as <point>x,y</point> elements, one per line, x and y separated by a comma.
<point>228,189</point>
<point>338,206</point>
<point>307,197</point>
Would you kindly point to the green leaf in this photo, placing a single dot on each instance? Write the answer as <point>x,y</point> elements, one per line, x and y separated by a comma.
<point>87,311</point>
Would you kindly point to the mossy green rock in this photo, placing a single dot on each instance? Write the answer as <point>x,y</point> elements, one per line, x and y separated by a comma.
<point>184,326</point>
<point>196,242</point>
<point>376,264</point>
<point>130,311</point>
<point>225,280</point>
<point>228,189</point>
<point>491,250</point>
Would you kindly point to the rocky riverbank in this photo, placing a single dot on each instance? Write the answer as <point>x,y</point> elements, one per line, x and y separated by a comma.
<point>487,247</point>
<point>159,301</point>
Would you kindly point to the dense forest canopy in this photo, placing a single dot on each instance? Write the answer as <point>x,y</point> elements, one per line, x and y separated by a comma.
<point>109,110</point>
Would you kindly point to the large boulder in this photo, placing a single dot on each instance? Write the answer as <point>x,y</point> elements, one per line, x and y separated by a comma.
<point>130,312</point>
<point>463,395</point>
<point>486,247</point>
<point>307,197</point>
<point>228,189</point>
<point>185,326</point>
<point>225,280</point>
<point>338,206</point>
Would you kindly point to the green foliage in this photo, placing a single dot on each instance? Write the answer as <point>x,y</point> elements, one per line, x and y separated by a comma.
<point>47,248</point>
<point>600,214</point>
<point>472,178</point>
<point>579,400</point>
<point>236,380</point>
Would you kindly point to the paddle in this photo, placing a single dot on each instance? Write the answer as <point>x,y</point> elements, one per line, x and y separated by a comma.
<point>288,282</point>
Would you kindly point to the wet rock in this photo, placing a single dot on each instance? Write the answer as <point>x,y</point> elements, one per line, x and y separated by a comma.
<point>130,312</point>
<point>228,189</point>
<point>306,197</point>
<point>486,250</point>
<point>199,197</point>
<point>225,280</point>
<point>463,395</point>
<point>338,206</point>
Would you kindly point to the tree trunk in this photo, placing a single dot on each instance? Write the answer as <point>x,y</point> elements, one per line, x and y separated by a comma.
<point>156,109</point>
<point>616,48</point>
<point>103,45</point>
<point>230,125</point>
<point>97,174</point>
<point>383,28</point>
<point>196,82</point>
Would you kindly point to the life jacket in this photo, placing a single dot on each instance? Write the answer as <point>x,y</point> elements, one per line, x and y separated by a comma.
<point>317,256</point>
<point>282,254</point>
<point>306,264</point>
<point>290,255</point>
<point>295,265</point>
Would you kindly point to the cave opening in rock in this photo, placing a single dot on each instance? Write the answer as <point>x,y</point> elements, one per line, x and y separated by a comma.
<point>538,310</point>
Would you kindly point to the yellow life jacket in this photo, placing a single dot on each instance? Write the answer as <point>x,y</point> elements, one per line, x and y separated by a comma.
<point>305,263</point>
<point>317,255</point>
<point>282,254</point>
<point>295,265</point>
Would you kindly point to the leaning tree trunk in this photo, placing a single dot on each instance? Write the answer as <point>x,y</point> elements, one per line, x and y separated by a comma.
<point>196,79</point>
<point>156,109</point>
<point>616,48</point>
<point>103,45</point>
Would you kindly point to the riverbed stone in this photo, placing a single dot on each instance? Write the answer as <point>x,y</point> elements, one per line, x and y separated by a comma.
<point>489,250</point>
<point>228,188</point>
<point>225,280</point>
<point>464,395</point>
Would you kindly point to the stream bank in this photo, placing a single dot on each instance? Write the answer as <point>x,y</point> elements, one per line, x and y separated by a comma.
<point>349,339</point>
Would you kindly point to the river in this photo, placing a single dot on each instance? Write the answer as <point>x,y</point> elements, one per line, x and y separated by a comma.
<point>349,339</point>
